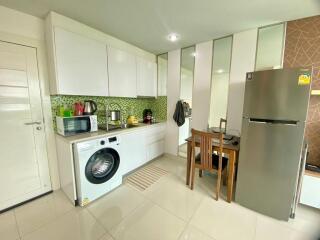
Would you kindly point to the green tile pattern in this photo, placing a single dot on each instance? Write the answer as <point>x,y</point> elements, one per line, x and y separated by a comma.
<point>127,105</point>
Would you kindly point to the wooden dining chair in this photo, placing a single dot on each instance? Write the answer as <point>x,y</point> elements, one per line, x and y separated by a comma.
<point>206,159</point>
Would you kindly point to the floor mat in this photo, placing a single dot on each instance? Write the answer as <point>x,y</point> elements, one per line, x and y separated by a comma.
<point>145,177</point>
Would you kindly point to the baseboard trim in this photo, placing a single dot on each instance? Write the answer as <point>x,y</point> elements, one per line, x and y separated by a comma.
<point>24,202</point>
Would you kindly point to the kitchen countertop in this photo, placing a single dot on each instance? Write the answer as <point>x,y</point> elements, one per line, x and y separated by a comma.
<point>101,133</point>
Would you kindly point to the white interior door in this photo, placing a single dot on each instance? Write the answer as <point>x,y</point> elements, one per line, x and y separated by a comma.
<point>24,172</point>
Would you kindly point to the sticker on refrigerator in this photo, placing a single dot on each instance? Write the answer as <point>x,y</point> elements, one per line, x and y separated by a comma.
<point>304,79</point>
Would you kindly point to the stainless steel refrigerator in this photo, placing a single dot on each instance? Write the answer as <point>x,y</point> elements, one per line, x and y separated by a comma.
<point>272,140</point>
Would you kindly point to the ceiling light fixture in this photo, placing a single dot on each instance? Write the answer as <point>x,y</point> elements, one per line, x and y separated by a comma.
<point>220,71</point>
<point>193,54</point>
<point>173,37</point>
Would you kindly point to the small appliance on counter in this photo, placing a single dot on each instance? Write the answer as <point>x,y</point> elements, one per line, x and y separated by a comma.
<point>78,109</point>
<point>90,107</point>
<point>67,126</point>
<point>132,121</point>
<point>147,116</point>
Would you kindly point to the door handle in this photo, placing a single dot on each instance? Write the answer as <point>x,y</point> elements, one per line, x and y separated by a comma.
<point>33,123</point>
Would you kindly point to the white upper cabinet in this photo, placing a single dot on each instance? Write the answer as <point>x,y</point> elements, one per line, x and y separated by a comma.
<point>80,65</point>
<point>146,78</point>
<point>122,73</point>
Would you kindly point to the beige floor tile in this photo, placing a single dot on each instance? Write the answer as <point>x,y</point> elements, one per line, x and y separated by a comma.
<point>307,213</point>
<point>149,222</point>
<point>77,224</point>
<point>175,165</point>
<point>111,209</point>
<point>269,228</point>
<point>296,235</point>
<point>106,237</point>
<point>175,197</point>
<point>308,227</point>
<point>37,213</point>
<point>8,227</point>
<point>224,221</point>
<point>191,233</point>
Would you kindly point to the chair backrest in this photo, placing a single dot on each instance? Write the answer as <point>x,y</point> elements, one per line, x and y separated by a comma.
<point>222,120</point>
<point>205,140</point>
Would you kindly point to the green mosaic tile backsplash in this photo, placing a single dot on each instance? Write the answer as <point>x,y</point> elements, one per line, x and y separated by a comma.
<point>136,105</point>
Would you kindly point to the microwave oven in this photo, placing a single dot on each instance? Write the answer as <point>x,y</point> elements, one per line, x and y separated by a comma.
<point>67,126</point>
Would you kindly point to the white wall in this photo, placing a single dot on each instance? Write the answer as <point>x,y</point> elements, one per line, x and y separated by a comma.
<point>243,61</point>
<point>21,28</point>
<point>201,85</point>
<point>173,95</point>
<point>15,22</point>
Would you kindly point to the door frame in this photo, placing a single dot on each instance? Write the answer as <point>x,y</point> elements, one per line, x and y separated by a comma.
<point>40,47</point>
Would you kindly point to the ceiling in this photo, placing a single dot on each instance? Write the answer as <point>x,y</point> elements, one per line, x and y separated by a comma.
<point>146,23</point>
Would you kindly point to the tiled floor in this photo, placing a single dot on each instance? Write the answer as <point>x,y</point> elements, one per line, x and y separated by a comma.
<point>166,210</point>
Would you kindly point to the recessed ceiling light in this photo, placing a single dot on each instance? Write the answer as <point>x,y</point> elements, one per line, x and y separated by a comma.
<point>193,54</point>
<point>220,71</point>
<point>173,37</point>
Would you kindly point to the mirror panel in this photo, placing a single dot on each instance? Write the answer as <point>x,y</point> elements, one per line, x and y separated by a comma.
<point>162,74</point>
<point>186,87</point>
<point>270,47</point>
<point>186,75</point>
<point>222,49</point>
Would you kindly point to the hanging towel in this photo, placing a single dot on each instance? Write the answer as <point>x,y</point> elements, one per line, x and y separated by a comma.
<point>178,115</point>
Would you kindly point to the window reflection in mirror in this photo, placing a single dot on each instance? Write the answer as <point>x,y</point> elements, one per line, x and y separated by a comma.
<point>186,87</point>
<point>162,74</point>
<point>270,47</point>
<point>222,49</point>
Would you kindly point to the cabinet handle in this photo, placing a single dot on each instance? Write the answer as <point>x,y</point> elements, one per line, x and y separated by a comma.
<point>32,123</point>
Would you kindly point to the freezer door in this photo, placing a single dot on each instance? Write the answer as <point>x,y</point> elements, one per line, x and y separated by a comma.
<point>277,94</point>
<point>268,165</point>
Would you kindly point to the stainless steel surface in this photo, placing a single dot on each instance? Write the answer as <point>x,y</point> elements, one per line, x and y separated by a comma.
<point>114,115</point>
<point>33,123</point>
<point>273,127</point>
<point>276,94</point>
<point>299,180</point>
<point>90,107</point>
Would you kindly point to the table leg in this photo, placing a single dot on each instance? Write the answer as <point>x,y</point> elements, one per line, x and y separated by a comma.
<point>188,163</point>
<point>231,172</point>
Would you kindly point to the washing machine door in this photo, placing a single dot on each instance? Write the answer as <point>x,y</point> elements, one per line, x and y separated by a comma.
<point>102,165</point>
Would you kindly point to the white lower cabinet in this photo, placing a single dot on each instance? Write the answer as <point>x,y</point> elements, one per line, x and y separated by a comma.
<point>133,150</point>
<point>141,146</point>
<point>155,149</point>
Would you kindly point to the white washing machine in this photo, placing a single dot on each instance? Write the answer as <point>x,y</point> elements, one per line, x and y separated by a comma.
<point>97,168</point>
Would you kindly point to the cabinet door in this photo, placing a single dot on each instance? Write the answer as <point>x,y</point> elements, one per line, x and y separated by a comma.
<point>133,151</point>
<point>146,78</point>
<point>122,73</point>
<point>155,141</point>
<point>162,74</point>
<point>80,64</point>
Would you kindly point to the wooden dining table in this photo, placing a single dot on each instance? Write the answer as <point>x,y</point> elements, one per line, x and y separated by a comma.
<point>230,148</point>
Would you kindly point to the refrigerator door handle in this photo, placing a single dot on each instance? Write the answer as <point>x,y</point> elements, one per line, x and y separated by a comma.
<point>273,122</point>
